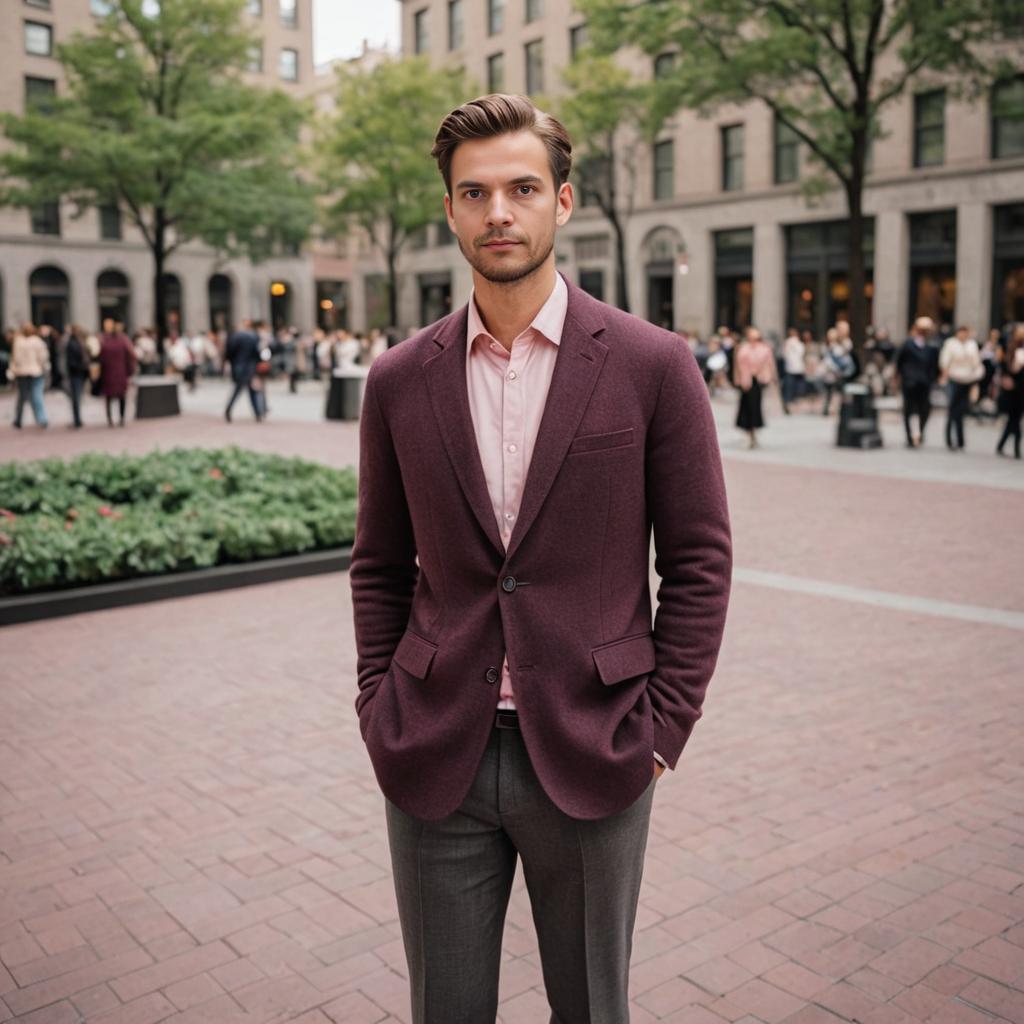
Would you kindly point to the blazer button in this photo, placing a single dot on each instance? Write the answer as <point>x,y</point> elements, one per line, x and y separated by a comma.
<point>508,584</point>
<point>491,675</point>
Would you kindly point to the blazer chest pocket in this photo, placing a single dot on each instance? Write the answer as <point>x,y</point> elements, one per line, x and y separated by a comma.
<point>625,659</point>
<point>601,442</point>
<point>415,655</point>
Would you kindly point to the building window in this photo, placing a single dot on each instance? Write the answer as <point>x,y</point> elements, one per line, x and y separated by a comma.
<point>787,153</point>
<point>99,8</point>
<point>664,170</point>
<point>42,4</point>
<point>110,222</point>
<point>254,7</point>
<point>1008,118</point>
<point>664,65</point>
<point>495,16</point>
<point>254,62</point>
<point>577,40</point>
<point>534,9</point>
<point>39,93</point>
<point>496,72</point>
<point>930,128</point>
<point>455,34</point>
<point>38,38</point>
<point>421,31</point>
<point>732,157</point>
<point>289,13</point>
<point>46,219</point>
<point>535,67</point>
<point>290,65</point>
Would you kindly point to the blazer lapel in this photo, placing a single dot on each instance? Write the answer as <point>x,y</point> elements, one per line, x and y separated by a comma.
<point>580,359</point>
<point>449,396</point>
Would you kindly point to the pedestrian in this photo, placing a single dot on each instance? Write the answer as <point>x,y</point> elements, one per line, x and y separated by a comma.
<point>77,360</point>
<point>29,365</point>
<point>960,365</point>
<point>793,352</point>
<point>513,698</point>
<point>243,352</point>
<point>1011,385</point>
<point>754,370</point>
<point>918,367</point>
<point>180,355</point>
<point>51,339</point>
<point>117,365</point>
<point>837,366</point>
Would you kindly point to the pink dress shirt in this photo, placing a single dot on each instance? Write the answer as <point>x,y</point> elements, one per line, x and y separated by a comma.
<point>507,393</point>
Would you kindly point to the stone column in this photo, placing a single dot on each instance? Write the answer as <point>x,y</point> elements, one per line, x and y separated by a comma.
<point>892,273</point>
<point>974,266</point>
<point>695,290</point>
<point>769,311</point>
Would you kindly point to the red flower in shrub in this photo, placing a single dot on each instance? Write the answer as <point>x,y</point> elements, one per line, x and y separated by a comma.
<point>105,510</point>
<point>7,514</point>
<point>167,488</point>
<point>4,540</point>
<point>72,513</point>
<point>215,474</point>
<point>68,525</point>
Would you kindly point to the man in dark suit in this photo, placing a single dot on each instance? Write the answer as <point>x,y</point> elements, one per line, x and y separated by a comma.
<point>514,699</point>
<point>918,366</point>
<point>243,352</point>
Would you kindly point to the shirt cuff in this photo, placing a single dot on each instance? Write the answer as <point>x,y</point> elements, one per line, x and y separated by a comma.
<point>660,760</point>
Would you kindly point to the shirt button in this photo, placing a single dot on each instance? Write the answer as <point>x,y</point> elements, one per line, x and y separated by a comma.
<point>513,448</point>
<point>512,375</point>
<point>491,675</point>
<point>508,584</point>
<point>509,516</point>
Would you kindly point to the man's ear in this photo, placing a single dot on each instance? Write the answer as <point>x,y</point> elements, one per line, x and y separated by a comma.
<point>448,212</point>
<point>566,200</point>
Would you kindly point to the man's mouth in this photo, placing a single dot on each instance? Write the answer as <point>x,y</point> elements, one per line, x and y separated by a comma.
<point>501,243</point>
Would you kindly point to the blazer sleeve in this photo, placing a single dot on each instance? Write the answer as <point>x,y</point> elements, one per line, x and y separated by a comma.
<point>693,551</point>
<point>383,571</point>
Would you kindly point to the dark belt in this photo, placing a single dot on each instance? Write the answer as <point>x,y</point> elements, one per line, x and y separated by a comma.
<point>506,719</point>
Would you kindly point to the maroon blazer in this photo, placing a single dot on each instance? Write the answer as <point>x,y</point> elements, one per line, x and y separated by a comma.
<point>627,442</point>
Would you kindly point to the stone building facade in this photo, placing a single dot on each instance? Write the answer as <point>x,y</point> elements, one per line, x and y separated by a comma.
<point>721,231</point>
<point>57,269</point>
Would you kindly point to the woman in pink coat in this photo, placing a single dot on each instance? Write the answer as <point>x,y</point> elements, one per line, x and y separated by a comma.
<point>117,362</point>
<point>754,369</point>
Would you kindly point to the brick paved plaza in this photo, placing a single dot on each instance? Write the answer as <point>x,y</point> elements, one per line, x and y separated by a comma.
<point>190,830</point>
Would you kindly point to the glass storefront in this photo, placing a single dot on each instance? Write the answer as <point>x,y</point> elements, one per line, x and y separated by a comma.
<point>1008,269</point>
<point>933,267</point>
<point>818,283</point>
<point>734,278</point>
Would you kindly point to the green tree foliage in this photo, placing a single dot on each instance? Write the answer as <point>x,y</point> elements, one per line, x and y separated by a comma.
<point>158,118</point>
<point>606,110</point>
<point>374,154</point>
<point>826,68</point>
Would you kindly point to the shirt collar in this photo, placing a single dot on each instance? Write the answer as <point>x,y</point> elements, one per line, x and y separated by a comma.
<point>549,321</point>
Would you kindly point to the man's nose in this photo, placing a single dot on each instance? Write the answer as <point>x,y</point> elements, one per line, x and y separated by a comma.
<point>499,211</point>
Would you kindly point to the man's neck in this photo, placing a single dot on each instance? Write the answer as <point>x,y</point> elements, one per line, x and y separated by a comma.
<point>508,309</point>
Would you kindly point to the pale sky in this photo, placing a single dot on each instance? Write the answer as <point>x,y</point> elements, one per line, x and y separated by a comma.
<point>340,26</point>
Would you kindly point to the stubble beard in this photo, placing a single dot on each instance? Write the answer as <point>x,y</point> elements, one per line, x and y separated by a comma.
<point>506,275</point>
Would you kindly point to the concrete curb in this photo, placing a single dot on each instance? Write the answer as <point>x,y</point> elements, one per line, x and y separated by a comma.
<point>55,603</point>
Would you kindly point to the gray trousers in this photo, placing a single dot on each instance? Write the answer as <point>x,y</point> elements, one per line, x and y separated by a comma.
<point>453,878</point>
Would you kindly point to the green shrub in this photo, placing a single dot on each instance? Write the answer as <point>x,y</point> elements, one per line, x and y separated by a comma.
<point>105,517</point>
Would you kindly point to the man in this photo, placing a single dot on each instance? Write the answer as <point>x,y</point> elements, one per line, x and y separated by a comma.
<point>793,350</point>
<point>512,696</point>
<point>243,352</point>
<point>918,366</point>
<point>960,367</point>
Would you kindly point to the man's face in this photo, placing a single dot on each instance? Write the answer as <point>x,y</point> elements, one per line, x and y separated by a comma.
<point>108,326</point>
<point>504,207</point>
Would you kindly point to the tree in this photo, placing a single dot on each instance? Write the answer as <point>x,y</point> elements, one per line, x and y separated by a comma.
<point>606,111</point>
<point>374,154</point>
<point>158,120</point>
<point>826,68</point>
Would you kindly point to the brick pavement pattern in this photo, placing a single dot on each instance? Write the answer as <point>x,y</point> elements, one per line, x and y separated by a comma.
<point>190,830</point>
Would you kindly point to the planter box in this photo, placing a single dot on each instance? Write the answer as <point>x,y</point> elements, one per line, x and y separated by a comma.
<point>54,603</point>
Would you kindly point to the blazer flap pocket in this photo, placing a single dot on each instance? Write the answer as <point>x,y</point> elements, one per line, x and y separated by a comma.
<point>599,442</point>
<point>625,659</point>
<point>415,655</point>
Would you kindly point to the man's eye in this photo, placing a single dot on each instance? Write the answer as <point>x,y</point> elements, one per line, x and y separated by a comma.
<point>525,190</point>
<point>473,193</point>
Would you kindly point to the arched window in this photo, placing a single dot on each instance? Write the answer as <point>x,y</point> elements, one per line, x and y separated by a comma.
<point>49,297</point>
<point>174,304</point>
<point>221,300</point>
<point>113,294</point>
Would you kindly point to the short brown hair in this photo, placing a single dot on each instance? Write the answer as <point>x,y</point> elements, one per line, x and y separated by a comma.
<point>501,114</point>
